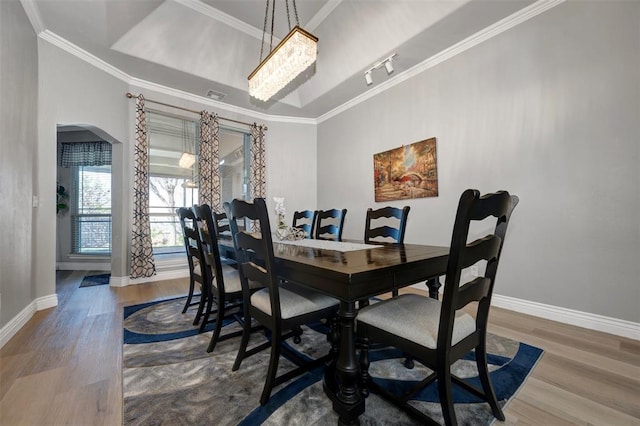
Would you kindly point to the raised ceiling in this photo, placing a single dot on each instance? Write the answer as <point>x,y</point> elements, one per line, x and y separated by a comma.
<point>197,46</point>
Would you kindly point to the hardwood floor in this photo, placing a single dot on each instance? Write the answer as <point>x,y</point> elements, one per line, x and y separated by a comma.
<point>64,365</point>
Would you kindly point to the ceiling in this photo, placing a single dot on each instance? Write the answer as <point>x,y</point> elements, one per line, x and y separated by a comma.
<point>202,45</point>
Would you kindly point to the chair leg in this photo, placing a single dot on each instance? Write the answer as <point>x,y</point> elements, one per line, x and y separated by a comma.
<point>189,296</point>
<point>218,327</point>
<point>207,312</point>
<point>203,300</point>
<point>445,394</point>
<point>273,368</point>
<point>246,332</point>
<point>487,387</point>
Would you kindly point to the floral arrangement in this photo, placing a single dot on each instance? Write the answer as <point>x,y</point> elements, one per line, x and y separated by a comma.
<point>280,211</point>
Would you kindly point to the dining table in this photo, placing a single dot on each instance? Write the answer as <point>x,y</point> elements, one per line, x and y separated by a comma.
<point>351,272</point>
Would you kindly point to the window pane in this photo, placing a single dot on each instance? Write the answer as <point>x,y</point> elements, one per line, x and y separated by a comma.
<point>234,169</point>
<point>91,210</point>
<point>172,184</point>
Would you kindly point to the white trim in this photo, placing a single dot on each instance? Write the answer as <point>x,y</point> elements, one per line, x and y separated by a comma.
<point>16,323</point>
<point>616,326</point>
<point>33,13</point>
<point>84,266</point>
<point>322,14</point>
<point>224,18</point>
<point>491,31</point>
<point>159,276</point>
<point>82,54</point>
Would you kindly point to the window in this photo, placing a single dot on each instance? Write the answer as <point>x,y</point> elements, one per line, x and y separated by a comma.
<point>172,185</point>
<point>91,210</point>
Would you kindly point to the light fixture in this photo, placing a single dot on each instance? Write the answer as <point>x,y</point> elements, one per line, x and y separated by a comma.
<point>290,58</point>
<point>187,159</point>
<point>190,183</point>
<point>386,62</point>
<point>367,77</point>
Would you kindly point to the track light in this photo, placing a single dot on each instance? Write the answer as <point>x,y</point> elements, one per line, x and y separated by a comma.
<point>388,65</point>
<point>367,78</point>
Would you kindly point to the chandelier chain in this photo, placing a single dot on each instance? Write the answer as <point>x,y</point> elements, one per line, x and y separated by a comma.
<point>295,10</point>
<point>273,16</point>
<point>264,30</point>
<point>286,3</point>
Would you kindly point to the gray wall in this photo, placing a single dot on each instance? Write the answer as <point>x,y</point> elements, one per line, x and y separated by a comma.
<point>549,110</point>
<point>18,134</point>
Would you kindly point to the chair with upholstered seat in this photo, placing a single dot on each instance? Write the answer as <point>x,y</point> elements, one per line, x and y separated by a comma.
<point>224,289</point>
<point>329,224</point>
<point>189,235</point>
<point>305,220</point>
<point>280,307</point>
<point>386,225</point>
<point>435,333</point>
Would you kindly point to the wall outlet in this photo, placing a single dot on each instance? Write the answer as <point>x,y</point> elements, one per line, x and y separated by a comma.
<point>35,201</point>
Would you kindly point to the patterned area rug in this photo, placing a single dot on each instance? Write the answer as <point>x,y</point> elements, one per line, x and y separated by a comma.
<point>169,378</point>
<point>91,280</point>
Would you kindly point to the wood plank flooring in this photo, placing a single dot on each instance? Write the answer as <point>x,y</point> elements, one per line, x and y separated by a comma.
<point>64,365</point>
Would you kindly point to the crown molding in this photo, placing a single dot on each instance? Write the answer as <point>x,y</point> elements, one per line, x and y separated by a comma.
<point>491,31</point>
<point>33,13</point>
<point>322,14</point>
<point>501,26</point>
<point>224,18</point>
<point>82,54</point>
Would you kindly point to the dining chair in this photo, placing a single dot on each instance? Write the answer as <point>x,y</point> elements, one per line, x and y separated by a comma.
<point>224,289</point>
<point>329,224</point>
<point>189,236</point>
<point>280,307</point>
<point>379,225</point>
<point>305,220</point>
<point>436,333</point>
<point>223,230</point>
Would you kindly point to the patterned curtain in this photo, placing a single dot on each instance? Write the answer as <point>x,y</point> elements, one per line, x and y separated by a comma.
<point>258,177</point>
<point>74,154</point>
<point>142,263</point>
<point>208,161</point>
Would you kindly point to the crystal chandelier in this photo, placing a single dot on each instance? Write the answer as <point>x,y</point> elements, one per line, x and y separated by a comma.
<point>291,57</point>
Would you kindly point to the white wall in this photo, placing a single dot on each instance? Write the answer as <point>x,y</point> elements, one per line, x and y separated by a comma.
<point>71,92</point>
<point>18,132</point>
<point>550,111</point>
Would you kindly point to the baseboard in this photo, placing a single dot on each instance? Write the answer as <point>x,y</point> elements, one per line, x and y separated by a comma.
<point>616,326</point>
<point>16,323</point>
<point>159,276</point>
<point>84,266</point>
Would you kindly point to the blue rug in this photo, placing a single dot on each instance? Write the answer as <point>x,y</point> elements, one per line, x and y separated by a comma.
<point>169,378</point>
<point>93,280</point>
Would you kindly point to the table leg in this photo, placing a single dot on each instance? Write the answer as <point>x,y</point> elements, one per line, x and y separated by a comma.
<point>434,285</point>
<point>341,384</point>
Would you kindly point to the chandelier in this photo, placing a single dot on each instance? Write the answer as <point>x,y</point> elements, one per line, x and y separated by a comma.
<point>291,57</point>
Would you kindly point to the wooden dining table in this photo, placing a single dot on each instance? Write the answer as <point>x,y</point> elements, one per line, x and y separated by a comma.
<point>350,276</point>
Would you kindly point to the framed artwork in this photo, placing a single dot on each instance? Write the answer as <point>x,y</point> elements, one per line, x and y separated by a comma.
<point>410,171</point>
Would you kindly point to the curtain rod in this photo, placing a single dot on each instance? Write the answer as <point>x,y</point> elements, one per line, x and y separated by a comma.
<point>132,96</point>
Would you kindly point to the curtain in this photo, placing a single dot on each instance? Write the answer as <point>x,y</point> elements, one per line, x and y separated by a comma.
<point>258,178</point>
<point>209,161</point>
<point>142,263</point>
<point>74,154</point>
<point>258,175</point>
